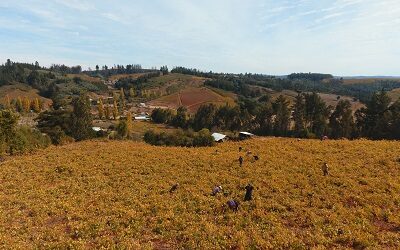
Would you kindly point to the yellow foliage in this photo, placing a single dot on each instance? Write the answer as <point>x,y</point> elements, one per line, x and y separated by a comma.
<point>101,194</point>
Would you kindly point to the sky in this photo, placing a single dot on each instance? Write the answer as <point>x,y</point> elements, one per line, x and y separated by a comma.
<point>341,37</point>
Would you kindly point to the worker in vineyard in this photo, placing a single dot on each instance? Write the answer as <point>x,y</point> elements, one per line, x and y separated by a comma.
<point>249,192</point>
<point>234,205</point>
<point>256,158</point>
<point>216,190</point>
<point>325,169</point>
<point>240,149</point>
<point>174,188</point>
<point>240,161</point>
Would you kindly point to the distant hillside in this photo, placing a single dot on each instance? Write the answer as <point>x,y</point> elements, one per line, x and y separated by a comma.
<point>192,98</point>
<point>18,90</point>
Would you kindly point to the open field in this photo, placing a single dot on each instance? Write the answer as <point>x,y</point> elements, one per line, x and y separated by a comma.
<point>116,194</point>
<point>192,99</point>
<point>21,90</point>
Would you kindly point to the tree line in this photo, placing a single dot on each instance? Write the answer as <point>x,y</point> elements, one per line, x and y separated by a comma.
<point>308,117</point>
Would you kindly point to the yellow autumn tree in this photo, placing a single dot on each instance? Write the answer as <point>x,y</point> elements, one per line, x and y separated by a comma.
<point>36,105</point>
<point>19,106</point>
<point>107,112</point>
<point>8,102</point>
<point>115,110</point>
<point>129,122</point>
<point>100,108</point>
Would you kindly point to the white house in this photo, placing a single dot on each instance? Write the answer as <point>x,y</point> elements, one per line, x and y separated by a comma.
<point>219,137</point>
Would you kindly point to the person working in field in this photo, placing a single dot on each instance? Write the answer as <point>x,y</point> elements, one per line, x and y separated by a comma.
<point>216,190</point>
<point>249,192</point>
<point>325,169</point>
<point>240,161</point>
<point>234,205</point>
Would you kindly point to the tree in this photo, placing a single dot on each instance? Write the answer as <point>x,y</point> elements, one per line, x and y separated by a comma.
<point>341,121</point>
<point>373,121</point>
<point>27,105</point>
<point>19,105</point>
<point>8,124</point>
<point>81,119</point>
<point>107,112</point>
<point>316,114</point>
<point>100,108</point>
<point>204,117</point>
<point>97,68</point>
<point>8,102</point>
<point>122,99</point>
<point>115,110</point>
<point>394,123</point>
<point>36,105</point>
<point>56,124</point>
<point>180,120</point>
<point>282,116</point>
<point>122,129</point>
<point>299,115</point>
<point>159,115</point>
<point>264,120</point>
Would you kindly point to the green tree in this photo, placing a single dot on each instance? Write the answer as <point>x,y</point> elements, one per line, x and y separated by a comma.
<point>282,116</point>
<point>181,118</point>
<point>204,117</point>
<point>8,124</point>
<point>373,120</point>
<point>341,121</point>
<point>81,119</point>
<point>299,115</point>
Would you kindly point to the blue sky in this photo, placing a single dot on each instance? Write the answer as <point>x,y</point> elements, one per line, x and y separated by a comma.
<point>342,37</point>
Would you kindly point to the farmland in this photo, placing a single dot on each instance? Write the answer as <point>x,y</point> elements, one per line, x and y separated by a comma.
<point>97,194</point>
<point>192,98</point>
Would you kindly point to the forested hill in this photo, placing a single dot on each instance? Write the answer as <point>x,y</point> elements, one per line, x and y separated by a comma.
<point>49,80</point>
<point>299,82</point>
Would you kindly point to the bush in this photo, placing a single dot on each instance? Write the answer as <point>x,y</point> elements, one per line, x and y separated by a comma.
<point>180,138</point>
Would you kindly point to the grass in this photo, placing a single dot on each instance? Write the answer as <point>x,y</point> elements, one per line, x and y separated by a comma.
<point>116,194</point>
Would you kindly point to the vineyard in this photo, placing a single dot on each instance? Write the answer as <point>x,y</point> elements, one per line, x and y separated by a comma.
<point>117,194</point>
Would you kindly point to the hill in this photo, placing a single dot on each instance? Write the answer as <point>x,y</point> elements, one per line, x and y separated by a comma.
<point>116,194</point>
<point>17,90</point>
<point>192,99</point>
<point>394,94</point>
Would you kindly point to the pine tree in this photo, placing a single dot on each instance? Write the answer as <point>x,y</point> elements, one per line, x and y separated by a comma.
<point>100,108</point>
<point>282,116</point>
<point>298,115</point>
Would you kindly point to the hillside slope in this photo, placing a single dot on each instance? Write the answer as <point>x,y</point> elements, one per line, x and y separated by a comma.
<point>103,194</point>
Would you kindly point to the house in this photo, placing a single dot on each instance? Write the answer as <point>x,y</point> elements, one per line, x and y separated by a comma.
<point>245,135</point>
<point>142,118</point>
<point>219,137</point>
<point>96,129</point>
